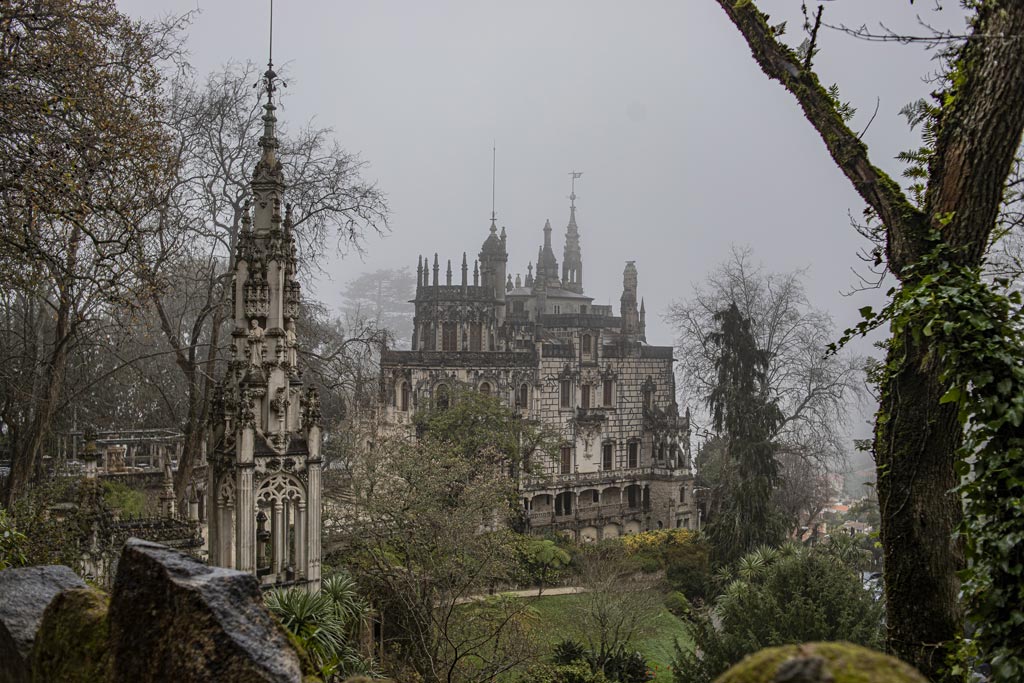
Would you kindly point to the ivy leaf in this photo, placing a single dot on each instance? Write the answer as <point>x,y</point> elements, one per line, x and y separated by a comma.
<point>953,395</point>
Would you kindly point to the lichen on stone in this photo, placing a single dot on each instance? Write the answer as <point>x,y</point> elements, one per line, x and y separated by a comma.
<point>826,663</point>
<point>72,643</point>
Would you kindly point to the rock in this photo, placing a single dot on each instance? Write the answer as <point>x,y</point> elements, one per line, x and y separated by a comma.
<point>25,593</point>
<point>173,618</point>
<point>72,644</point>
<point>821,663</point>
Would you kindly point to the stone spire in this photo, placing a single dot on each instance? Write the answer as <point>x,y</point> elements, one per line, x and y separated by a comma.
<point>264,427</point>
<point>643,321</point>
<point>572,258</point>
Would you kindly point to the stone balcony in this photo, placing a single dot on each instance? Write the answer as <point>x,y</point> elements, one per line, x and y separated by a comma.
<point>603,478</point>
<point>587,513</point>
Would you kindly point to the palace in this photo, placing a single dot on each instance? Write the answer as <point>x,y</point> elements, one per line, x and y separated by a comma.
<point>542,346</point>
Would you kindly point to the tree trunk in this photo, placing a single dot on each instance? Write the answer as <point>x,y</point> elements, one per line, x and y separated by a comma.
<point>28,456</point>
<point>200,391</point>
<point>914,439</point>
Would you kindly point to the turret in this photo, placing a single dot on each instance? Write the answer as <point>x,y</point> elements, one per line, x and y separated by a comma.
<point>547,264</point>
<point>493,263</point>
<point>627,303</point>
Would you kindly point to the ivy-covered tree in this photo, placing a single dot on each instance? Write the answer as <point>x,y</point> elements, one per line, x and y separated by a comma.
<point>949,331</point>
<point>744,414</point>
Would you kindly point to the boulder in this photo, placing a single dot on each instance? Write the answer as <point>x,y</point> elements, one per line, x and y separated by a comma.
<point>72,643</point>
<point>25,593</point>
<point>821,663</point>
<point>173,618</point>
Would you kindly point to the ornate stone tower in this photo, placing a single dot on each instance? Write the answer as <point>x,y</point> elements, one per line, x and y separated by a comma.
<point>265,430</point>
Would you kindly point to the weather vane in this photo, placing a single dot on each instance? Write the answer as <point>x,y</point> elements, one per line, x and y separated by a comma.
<point>572,196</point>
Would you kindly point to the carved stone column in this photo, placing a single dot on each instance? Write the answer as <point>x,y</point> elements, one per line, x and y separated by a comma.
<point>314,525</point>
<point>245,522</point>
<point>301,534</point>
<point>279,537</point>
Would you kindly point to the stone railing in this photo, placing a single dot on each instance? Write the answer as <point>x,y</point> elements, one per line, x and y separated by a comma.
<point>586,513</point>
<point>603,477</point>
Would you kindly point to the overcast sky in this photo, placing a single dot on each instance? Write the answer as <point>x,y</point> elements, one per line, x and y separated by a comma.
<point>684,145</point>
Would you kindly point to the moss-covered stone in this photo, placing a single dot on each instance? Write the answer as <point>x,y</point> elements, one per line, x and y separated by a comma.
<point>821,663</point>
<point>72,644</point>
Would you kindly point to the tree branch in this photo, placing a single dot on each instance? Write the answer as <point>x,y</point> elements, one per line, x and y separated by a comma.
<point>905,222</point>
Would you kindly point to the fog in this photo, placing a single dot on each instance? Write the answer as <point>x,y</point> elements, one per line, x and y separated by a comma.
<point>684,145</point>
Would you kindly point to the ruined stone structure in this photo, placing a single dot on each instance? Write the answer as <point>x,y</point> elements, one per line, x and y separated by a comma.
<point>542,346</point>
<point>264,454</point>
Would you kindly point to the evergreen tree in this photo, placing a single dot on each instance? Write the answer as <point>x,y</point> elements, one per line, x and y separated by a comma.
<point>744,415</point>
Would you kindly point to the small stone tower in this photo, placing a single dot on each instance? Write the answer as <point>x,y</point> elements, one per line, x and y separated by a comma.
<point>265,429</point>
<point>628,304</point>
<point>572,257</point>
<point>494,266</point>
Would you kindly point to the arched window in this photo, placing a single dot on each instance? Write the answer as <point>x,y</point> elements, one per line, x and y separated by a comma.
<point>524,396</point>
<point>607,392</point>
<point>442,399</point>
<point>485,388</point>
<point>585,396</point>
<point>403,401</point>
<point>585,343</point>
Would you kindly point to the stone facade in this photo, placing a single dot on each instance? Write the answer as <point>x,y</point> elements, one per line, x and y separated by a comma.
<point>544,348</point>
<point>264,452</point>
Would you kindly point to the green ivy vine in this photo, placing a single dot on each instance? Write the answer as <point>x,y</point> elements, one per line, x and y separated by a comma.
<point>976,327</point>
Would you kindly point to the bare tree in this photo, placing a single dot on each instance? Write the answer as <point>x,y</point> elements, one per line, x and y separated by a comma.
<point>617,606</point>
<point>216,129</point>
<point>813,390</point>
<point>425,536</point>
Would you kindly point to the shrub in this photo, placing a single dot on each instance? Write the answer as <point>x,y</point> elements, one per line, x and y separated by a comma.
<point>577,672</point>
<point>568,651</point>
<point>777,597</point>
<point>677,604</point>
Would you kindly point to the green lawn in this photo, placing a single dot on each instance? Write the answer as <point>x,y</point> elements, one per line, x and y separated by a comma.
<point>557,619</point>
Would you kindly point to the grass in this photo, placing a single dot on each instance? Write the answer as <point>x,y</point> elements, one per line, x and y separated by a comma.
<point>558,618</point>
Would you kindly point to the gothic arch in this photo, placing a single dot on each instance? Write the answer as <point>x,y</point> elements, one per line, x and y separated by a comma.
<point>280,488</point>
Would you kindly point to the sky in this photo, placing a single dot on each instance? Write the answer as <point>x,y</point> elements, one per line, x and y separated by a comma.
<point>686,148</point>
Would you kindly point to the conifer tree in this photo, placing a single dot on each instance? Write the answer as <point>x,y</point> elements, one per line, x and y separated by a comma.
<point>744,414</point>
